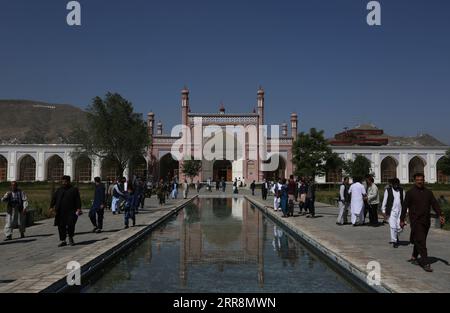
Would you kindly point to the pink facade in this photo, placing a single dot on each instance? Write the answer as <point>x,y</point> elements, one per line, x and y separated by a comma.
<point>242,167</point>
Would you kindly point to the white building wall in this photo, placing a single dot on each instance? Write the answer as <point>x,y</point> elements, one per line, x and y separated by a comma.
<point>403,155</point>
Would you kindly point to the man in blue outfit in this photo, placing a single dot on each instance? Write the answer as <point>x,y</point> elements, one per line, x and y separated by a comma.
<point>97,210</point>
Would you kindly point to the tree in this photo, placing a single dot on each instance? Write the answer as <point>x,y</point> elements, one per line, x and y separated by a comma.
<point>113,132</point>
<point>310,153</point>
<point>191,168</point>
<point>444,164</point>
<point>334,164</point>
<point>359,167</point>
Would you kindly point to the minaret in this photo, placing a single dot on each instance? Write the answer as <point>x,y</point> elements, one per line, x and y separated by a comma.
<point>150,125</point>
<point>221,108</point>
<point>159,128</point>
<point>185,106</point>
<point>150,130</point>
<point>284,130</point>
<point>294,125</point>
<point>261,105</point>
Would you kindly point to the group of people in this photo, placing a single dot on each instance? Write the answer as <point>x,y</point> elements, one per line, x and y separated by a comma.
<point>363,197</point>
<point>66,205</point>
<point>289,193</point>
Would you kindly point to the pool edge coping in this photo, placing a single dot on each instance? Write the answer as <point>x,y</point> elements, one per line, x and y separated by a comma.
<point>87,269</point>
<point>354,272</point>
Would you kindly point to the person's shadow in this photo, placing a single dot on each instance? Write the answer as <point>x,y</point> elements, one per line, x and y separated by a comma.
<point>88,242</point>
<point>11,242</point>
<point>433,260</point>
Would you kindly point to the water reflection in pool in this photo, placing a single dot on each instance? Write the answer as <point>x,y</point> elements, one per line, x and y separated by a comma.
<point>219,245</point>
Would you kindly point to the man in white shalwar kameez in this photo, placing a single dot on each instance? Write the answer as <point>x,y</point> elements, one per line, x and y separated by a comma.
<point>358,195</point>
<point>276,198</point>
<point>392,209</point>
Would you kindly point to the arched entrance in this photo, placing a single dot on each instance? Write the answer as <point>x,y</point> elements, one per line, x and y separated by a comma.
<point>388,169</point>
<point>55,168</point>
<point>3,168</point>
<point>27,168</point>
<point>441,177</point>
<point>280,172</point>
<point>83,169</point>
<point>109,170</point>
<point>168,167</point>
<point>416,166</point>
<point>222,169</point>
<point>139,167</point>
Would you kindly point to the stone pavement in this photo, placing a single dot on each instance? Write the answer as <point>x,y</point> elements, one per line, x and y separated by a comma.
<point>354,247</point>
<point>35,263</point>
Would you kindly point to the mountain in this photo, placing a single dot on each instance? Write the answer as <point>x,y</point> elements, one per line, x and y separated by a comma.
<point>25,121</point>
<point>416,141</point>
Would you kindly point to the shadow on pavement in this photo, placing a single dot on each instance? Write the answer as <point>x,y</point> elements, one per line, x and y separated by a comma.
<point>88,242</point>
<point>4,243</point>
<point>103,231</point>
<point>433,260</point>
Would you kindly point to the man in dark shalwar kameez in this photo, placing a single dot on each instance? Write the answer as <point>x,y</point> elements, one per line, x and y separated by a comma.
<point>418,202</point>
<point>66,202</point>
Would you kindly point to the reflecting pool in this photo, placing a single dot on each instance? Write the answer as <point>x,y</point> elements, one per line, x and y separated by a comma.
<point>219,245</point>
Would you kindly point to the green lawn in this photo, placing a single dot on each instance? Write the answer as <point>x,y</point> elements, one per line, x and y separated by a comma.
<point>39,196</point>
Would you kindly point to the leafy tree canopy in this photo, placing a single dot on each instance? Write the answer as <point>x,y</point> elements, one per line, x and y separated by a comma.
<point>114,131</point>
<point>310,153</point>
<point>191,168</point>
<point>359,167</point>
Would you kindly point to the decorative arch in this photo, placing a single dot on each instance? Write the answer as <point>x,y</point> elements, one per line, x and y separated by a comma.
<point>55,168</point>
<point>222,169</point>
<point>83,169</point>
<point>441,177</point>
<point>168,167</point>
<point>3,168</point>
<point>388,169</point>
<point>416,165</point>
<point>27,168</point>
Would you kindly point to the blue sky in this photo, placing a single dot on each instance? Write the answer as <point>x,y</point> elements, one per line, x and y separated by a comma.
<point>317,58</point>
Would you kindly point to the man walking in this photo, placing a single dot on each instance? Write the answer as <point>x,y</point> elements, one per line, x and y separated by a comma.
<point>344,201</point>
<point>358,195</point>
<point>303,189</point>
<point>16,210</point>
<point>252,187</point>
<point>373,201</point>
<point>224,184</point>
<point>311,198</point>
<point>292,187</point>
<point>264,189</point>
<point>185,189</point>
<point>392,209</point>
<point>418,201</point>
<point>118,193</point>
<point>66,202</point>
<point>277,195</point>
<point>97,210</point>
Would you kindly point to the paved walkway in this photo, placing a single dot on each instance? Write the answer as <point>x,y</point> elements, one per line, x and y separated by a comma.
<point>355,247</point>
<point>34,263</point>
